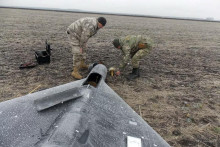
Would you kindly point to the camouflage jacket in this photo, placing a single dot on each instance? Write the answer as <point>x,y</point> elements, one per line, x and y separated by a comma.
<point>83,29</point>
<point>132,44</point>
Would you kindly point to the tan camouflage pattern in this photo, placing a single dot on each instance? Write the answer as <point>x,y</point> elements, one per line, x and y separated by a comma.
<point>77,55</point>
<point>83,29</point>
<point>134,48</point>
<point>78,33</point>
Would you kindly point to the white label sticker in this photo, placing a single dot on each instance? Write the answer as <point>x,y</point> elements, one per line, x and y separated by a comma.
<point>133,142</point>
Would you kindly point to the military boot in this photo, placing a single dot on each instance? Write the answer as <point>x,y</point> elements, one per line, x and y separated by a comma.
<point>83,65</point>
<point>132,71</point>
<point>135,74</point>
<point>76,74</point>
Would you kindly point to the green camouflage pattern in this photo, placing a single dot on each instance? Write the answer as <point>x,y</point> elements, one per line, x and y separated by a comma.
<point>134,48</point>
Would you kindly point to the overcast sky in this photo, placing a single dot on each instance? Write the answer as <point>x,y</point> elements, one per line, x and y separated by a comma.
<point>176,8</point>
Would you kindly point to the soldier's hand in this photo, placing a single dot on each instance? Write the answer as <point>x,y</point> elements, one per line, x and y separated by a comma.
<point>118,73</point>
<point>81,50</point>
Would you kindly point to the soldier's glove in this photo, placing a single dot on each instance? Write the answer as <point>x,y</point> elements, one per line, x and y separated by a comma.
<point>142,45</point>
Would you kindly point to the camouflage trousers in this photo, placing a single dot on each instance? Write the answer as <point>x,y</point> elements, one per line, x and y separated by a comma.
<point>137,56</point>
<point>77,55</point>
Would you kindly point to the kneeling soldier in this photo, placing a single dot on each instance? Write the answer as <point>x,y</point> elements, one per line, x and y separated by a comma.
<point>134,48</point>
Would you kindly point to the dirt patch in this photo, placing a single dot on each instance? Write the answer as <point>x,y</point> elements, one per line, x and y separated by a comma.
<point>179,88</point>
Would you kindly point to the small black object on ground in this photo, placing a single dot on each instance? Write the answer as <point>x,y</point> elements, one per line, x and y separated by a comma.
<point>43,57</point>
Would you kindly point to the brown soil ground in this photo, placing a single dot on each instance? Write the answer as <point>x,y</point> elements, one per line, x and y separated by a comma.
<point>178,93</point>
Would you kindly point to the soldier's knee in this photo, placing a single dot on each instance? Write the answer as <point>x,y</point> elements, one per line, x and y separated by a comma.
<point>135,65</point>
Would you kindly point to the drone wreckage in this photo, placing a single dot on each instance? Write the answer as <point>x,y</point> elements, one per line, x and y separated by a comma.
<point>83,113</point>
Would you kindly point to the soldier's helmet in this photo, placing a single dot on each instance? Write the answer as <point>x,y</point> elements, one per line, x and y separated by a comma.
<point>102,20</point>
<point>116,43</point>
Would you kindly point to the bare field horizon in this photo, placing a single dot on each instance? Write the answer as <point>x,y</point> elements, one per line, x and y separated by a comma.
<point>178,93</point>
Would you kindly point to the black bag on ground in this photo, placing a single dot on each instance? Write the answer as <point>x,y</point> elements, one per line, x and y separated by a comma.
<point>43,56</point>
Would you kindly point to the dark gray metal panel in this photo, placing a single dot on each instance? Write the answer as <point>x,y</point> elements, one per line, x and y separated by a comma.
<point>100,118</point>
<point>20,123</point>
<point>100,69</point>
<point>57,98</point>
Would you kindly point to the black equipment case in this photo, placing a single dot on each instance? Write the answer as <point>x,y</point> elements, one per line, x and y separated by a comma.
<point>43,56</point>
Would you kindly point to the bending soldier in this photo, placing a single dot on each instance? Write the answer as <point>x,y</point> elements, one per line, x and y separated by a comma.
<point>79,32</point>
<point>134,48</point>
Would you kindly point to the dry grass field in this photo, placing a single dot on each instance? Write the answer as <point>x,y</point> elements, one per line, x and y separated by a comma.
<point>178,93</point>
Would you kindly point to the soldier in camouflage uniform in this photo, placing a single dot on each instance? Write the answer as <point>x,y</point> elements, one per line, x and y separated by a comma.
<point>79,32</point>
<point>134,48</point>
